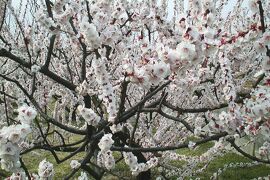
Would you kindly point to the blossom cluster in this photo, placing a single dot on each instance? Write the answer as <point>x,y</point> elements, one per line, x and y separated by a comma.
<point>264,150</point>
<point>132,161</point>
<point>226,122</point>
<point>150,71</point>
<point>208,59</point>
<point>181,57</point>
<point>45,170</point>
<point>83,176</point>
<point>26,114</point>
<point>62,16</point>
<point>12,138</point>
<point>89,115</point>
<point>20,176</point>
<point>74,164</point>
<point>105,157</point>
<point>256,113</point>
<point>90,34</point>
<point>108,95</point>
<point>227,79</point>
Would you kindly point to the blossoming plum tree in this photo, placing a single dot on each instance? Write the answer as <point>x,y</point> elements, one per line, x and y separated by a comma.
<point>137,77</point>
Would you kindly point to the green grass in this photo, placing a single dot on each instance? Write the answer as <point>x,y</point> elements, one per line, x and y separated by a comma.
<point>199,150</point>
<point>234,173</point>
<point>32,160</point>
<point>219,162</point>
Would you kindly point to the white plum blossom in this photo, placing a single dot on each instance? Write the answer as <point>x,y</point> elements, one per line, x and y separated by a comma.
<point>83,176</point>
<point>35,68</point>
<point>191,145</point>
<point>45,170</point>
<point>173,58</point>
<point>26,114</point>
<point>264,150</point>
<point>82,89</point>
<point>140,76</point>
<point>107,95</point>
<point>8,149</point>
<point>106,142</point>
<point>90,33</point>
<point>42,17</point>
<point>106,159</point>
<point>89,115</point>
<point>132,161</point>
<point>116,128</point>
<point>17,176</point>
<point>149,74</point>
<point>187,51</point>
<point>74,164</point>
<point>11,138</point>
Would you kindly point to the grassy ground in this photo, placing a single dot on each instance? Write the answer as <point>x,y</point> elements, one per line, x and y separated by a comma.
<point>32,160</point>
<point>235,173</point>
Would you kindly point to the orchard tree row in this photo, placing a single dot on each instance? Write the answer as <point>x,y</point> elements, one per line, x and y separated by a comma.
<point>142,78</point>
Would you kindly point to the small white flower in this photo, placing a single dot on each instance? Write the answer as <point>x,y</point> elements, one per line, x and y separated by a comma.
<point>191,145</point>
<point>17,176</point>
<point>106,142</point>
<point>263,151</point>
<point>83,176</point>
<point>35,68</point>
<point>89,115</point>
<point>128,68</point>
<point>116,128</point>
<point>23,129</point>
<point>172,57</point>
<point>90,33</point>
<point>9,149</point>
<point>152,162</point>
<point>109,162</point>
<point>187,50</point>
<point>26,114</point>
<point>45,170</point>
<point>14,137</point>
<point>74,164</point>
<point>259,110</point>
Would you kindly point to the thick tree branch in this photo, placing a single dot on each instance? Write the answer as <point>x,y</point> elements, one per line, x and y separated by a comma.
<point>237,148</point>
<point>43,70</point>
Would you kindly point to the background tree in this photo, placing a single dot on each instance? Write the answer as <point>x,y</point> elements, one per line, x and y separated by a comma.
<point>137,77</point>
